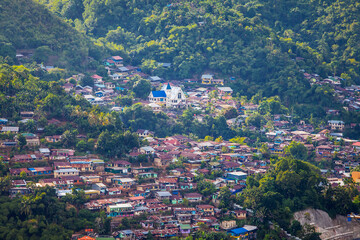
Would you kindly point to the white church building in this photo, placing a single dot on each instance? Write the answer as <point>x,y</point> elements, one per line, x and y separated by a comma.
<point>170,96</point>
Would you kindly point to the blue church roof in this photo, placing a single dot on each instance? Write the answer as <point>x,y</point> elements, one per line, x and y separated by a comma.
<point>159,94</point>
<point>168,86</point>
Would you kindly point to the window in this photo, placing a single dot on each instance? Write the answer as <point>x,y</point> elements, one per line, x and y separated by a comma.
<point>179,95</point>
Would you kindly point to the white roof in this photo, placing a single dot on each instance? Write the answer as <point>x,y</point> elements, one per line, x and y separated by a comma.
<point>250,227</point>
<point>153,105</point>
<point>89,97</point>
<point>300,133</point>
<point>164,194</point>
<point>205,144</point>
<point>121,205</point>
<point>44,150</point>
<point>238,173</point>
<point>67,170</point>
<point>271,133</point>
<point>10,129</point>
<point>207,76</point>
<point>201,89</point>
<point>62,193</point>
<point>123,69</point>
<point>155,78</point>
<point>116,108</point>
<point>336,121</point>
<point>25,120</point>
<point>125,179</point>
<point>225,89</point>
<point>100,185</point>
<point>174,93</point>
<point>148,149</point>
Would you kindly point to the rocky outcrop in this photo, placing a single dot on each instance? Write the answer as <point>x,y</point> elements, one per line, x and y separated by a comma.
<point>330,229</point>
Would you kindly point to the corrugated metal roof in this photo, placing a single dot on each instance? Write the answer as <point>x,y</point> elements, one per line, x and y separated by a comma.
<point>159,94</point>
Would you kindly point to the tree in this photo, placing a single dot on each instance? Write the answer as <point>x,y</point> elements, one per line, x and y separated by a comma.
<point>224,149</point>
<point>239,140</point>
<point>219,139</point>
<point>149,236</point>
<point>101,71</point>
<point>87,81</point>
<point>213,94</point>
<point>124,101</point>
<point>68,138</point>
<point>4,168</point>
<point>291,186</point>
<point>256,120</point>
<point>295,228</point>
<point>22,141</point>
<point>185,202</point>
<point>76,198</point>
<point>72,81</point>
<point>105,143</point>
<point>225,198</point>
<point>206,188</point>
<point>125,223</point>
<point>230,113</point>
<point>5,184</point>
<point>265,151</point>
<point>82,146</point>
<point>208,138</point>
<point>42,54</point>
<point>142,88</point>
<point>296,150</point>
<point>23,174</point>
<point>124,142</point>
<point>30,126</point>
<point>7,50</point>
<point>339,200</point>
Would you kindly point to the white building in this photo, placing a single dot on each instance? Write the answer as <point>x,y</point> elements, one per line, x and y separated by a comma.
<point>171,96</point>
<point>66,172</point>
<point>336,125</point>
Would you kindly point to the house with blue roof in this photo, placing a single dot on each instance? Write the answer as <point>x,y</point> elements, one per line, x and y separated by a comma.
<point>246,232</point>
<point>3,121</point>
<point>99,94</point>
<point>157,96</point>
<point>41,171</point>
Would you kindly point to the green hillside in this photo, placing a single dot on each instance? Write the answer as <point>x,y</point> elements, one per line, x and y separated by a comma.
<point>264,44</point>
<point>28,25</point>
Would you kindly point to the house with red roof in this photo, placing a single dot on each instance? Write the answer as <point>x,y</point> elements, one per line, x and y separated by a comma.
<point>97,78</point>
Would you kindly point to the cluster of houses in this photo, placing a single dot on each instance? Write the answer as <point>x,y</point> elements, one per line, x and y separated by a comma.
<point>165,186</point>
<point>348,96</point>
<point>107,89</point>
<point>168,195</point>
<point>166,190</point>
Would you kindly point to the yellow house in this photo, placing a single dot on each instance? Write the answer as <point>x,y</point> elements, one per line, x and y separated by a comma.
<point>207,79</point>
<point>218,81</point>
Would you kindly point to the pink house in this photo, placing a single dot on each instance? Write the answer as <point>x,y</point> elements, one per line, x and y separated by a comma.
<point>62,152</point>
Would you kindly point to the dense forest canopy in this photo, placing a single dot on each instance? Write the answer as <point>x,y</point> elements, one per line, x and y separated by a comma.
<point>29,25</point>
<point>292,185</point>
<point>265,45</point>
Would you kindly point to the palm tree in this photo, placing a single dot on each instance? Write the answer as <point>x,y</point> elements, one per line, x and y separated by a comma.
<point>26,202</point>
